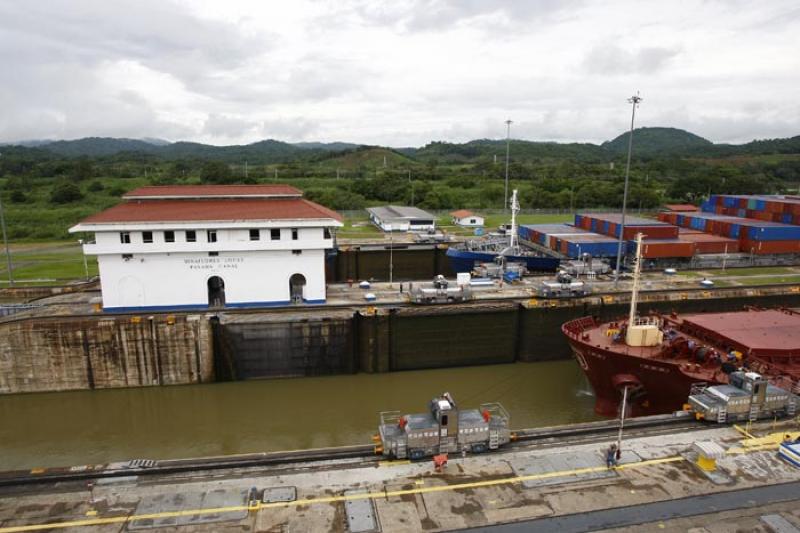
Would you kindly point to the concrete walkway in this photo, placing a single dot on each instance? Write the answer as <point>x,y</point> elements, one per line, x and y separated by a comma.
<point>555,488</point>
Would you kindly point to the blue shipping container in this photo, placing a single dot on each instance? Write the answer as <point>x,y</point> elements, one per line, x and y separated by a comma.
<point>773,233</point>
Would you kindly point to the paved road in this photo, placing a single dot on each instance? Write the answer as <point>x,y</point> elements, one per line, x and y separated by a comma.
<point>653,512</point>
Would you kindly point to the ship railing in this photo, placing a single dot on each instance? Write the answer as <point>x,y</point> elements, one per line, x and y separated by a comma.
<point>496,410</point>
<point>698,388</point>
<point>579,325</point>
<point>647,321</point>
<point>389,418</point>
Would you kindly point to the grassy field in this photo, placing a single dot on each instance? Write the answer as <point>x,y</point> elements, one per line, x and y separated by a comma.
<point>736,272</point>
<point>771,280</point>
<point>36,263</point>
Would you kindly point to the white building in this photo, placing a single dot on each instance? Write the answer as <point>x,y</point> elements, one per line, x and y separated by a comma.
<point>465,218</point>
<point>401,218</point>
<point>205,246</point>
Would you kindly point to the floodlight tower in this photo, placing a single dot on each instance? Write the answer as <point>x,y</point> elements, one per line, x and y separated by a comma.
<point>508,151</point>
<point>634,101</point>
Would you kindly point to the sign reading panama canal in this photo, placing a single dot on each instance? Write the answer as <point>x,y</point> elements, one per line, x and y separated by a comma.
<point>207,263</point>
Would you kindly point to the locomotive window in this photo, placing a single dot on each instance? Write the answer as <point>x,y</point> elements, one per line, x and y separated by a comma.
<point>444,420</point>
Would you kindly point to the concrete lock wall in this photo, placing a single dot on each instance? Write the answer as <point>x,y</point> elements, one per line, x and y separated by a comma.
<point>98,353</point>
<point>102,352</point>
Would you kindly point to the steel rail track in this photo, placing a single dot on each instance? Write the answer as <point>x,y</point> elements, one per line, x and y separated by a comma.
<point>557,434</point>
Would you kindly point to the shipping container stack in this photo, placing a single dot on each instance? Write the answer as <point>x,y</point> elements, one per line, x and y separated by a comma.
<point>661,240</point>
<point>568,240</point>
<point>757,223</point>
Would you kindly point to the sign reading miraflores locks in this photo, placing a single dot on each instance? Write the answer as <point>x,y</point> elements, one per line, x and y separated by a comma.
<point>209,263</point>
<point>209,246</point>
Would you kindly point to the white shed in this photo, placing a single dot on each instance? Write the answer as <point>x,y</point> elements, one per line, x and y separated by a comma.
<point>465,218</point>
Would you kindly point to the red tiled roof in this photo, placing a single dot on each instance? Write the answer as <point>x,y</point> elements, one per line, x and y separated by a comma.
<point>461,213</point>
<point>227,209</point>
<point>213,190</point>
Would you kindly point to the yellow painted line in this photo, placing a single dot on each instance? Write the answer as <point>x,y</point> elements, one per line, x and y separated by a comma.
<point>743,431</point>
<point>332,499</point>
<point>394,463</point>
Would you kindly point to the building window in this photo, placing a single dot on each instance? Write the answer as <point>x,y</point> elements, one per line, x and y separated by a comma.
<point>211,235</point>
<point>255,234</point>
<point>191,235</point>
<point>294,234</point>
<point>169,236</point>
<point>326,233</point>
<point>147,237</point>
<point>125,237</point>
<point>275,234</point>
<point>297,252</point>
<point>127,257</point>
<point>213,254</point>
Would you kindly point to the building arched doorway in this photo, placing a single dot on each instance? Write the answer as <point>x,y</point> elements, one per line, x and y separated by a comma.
<point>297,288</point>
<point>216,292</point>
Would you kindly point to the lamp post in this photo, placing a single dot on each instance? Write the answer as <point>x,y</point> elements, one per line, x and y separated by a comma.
<point>5,243</point>
<point>634,101</point>
<point>508,151</point>
<point>85,263</point>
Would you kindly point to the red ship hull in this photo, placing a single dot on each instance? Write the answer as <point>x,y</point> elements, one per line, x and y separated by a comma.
<point>699,348</point>
<point>654,387</point>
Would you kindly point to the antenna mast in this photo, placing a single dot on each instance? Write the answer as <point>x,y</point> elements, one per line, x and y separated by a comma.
<point>637,270</point>
<point>514,240</point>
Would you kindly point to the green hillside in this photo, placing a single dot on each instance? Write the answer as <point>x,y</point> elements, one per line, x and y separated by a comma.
<point>658,141</point>
<point>364,157</point>
<point>526,150</point>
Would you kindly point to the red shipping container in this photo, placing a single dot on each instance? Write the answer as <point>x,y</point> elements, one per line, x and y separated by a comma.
<point>711,244</point>
<point>676,248</point>
<point>564,247</point>
<point>741,202</point>
<point>770,247</point>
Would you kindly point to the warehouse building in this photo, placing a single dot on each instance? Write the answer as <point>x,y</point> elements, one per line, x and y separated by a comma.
<point>211,246</point>
<point>402,218</point>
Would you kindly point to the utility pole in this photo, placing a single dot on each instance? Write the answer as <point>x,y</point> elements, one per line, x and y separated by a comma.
<point>5,243</point>
<point>508,151</point>
<point>245,169</point>
<point>634,101</point>
<point>391,257</point>
<point>412,187</point>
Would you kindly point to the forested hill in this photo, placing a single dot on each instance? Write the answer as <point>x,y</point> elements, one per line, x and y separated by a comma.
<point>649,143</point>
<point>654,141</point>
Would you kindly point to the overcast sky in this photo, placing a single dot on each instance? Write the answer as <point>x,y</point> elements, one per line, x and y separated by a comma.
<point>397,73</point>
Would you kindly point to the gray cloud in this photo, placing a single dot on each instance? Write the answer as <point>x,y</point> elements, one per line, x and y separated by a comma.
<point>395,73</point>
<point>436,15</point>
<point>612,59</point>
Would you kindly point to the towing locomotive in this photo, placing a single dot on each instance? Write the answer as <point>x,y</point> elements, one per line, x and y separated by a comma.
<point>747,396</point>
<point>443,429</point>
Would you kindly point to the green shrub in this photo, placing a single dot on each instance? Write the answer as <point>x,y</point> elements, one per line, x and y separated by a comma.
<point>65,193</point>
